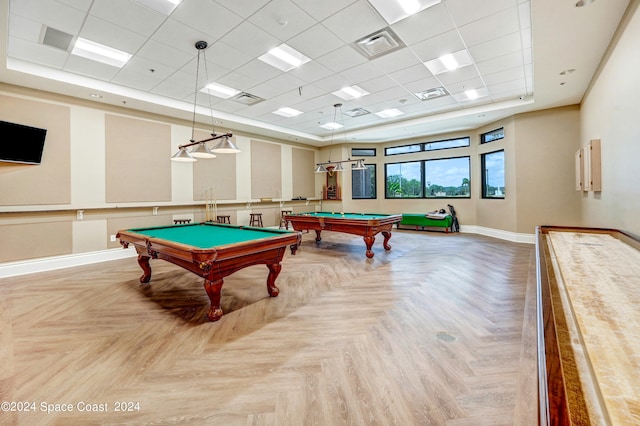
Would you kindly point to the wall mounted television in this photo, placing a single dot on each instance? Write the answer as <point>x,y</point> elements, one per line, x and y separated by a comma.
<point>20,143</point>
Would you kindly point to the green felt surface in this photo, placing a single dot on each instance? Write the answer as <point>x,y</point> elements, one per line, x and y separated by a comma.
<point>422,220</point>
<point>365,216</point>
<point>208,235</point>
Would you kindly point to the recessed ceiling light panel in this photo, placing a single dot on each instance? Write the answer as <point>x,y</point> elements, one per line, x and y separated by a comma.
<point>288,112</point>
<point>331,126</point>
<point>449,62</point>
<point>471,94</point>
<point>395,10</point>
<point>219,90</point>
<point>284,57</point>
<point>350,92</point>
<point>100,53</point>
<point>388,113</point>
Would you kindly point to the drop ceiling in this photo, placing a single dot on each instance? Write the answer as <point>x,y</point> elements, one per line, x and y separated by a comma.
<point>519,50</point>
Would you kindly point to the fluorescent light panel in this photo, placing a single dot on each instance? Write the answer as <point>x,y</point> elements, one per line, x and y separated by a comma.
<point>331,126</point>
<point>471,94</point>
<point>100,53</point>
<point>449,62</point>
<point>220,91</point>
<point>388,113</point>
<point>352,92</point>
<point>163,6</point>
<point>288,112</point>
<point>284,57</point>
<point>396,10</point>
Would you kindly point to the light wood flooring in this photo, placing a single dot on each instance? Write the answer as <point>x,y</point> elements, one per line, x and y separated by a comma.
<point>438,331</point>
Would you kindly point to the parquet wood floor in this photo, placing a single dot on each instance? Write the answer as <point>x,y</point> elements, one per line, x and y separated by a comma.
<point>438,331</point>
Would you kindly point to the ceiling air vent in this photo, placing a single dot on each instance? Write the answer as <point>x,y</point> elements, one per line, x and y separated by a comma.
<point>379,43</point>
<point>247,98</point>
<point>357,112</point>
<point>56,38</point>
<point>436,92</point>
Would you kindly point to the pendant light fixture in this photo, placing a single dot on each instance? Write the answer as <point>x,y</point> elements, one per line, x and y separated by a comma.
<point>200,148</point>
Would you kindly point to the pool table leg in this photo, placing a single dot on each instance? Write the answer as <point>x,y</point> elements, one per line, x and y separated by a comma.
<point>369,240</point>
<point>143,261</point>
<point>318,239</point>
<point>387,237</point>
<point>213,288</point>
<point>274,271</point>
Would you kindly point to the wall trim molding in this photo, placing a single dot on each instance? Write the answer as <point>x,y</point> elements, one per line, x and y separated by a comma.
<point>23,267</point>
<point>11,269</point>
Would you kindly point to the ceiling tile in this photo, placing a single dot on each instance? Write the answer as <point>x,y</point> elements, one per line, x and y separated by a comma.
<point>82,66</point>
<point>244,8</point>
<point>321,10</point>
<point>37,53</point>
<point>463,11</point>
<point>166,55</point>
<point>354,22</point>
<point>491,27</point>
<point>439,45</point>
<point>498,47</point>
<point>315,42</point>
<point>282,19</point>
<point>129,15</point>
<point>111,35</point>
<point>310,72</point>
<point>341,59</point>
<point>206,17</point>
<point>251,40</point>
<point>421,26</point>
<point>50,13</point>
<point>461,74</point>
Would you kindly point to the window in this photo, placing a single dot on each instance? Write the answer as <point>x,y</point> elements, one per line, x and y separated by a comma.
<point>493,174</point>
<point>447,178</point>
<point>450,143</point>
<point>363,183</point>
<point>402,149</point>
<point>493,135</point>
<point>403,180</point>
<point>363,152</point>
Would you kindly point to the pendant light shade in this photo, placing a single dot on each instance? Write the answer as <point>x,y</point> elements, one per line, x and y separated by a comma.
<point>202,151</point>
<point>183,156</point>
<point>225,146</point>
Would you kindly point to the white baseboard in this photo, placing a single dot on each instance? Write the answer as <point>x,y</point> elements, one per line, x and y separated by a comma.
<point>11,269</point>
<point>31,266</point>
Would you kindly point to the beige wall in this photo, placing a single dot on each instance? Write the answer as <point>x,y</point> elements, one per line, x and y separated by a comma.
<point>611,112</point>
<point>545,144</point>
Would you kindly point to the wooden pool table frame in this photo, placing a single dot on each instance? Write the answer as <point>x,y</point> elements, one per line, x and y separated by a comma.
<point>214,263</point>
<point>367,228</point>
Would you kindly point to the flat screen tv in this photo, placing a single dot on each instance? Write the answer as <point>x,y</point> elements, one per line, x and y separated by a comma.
<point>20,143</point>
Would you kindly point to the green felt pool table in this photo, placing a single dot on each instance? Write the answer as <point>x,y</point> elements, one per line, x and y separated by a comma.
<point>365,224</point>
<point>212,251</point>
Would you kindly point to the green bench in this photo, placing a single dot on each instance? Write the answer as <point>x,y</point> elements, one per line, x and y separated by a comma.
<point>420,220</point>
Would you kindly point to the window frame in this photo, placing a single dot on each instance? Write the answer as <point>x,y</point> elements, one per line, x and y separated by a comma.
<point>386,169</point>
<point>483,180</point>
<point>353,154</point>
<point>468,157</point>
<point>467,138</point>
<point>483,136</point>
<point>374,180</point>
<point>386,150</point>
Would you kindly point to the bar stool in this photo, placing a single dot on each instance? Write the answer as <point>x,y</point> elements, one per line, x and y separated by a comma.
<point>223,219</point>
<point>180,221</point>
<point>283,222</point>
<point>256,220</point>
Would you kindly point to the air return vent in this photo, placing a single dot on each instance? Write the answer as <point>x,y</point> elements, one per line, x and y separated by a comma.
<point>247,98</point>
<point>379,43</point>
<point>56,38</point>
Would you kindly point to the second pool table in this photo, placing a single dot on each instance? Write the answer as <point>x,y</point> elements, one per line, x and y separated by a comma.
<point>212,251</point>
<point>365,224</point>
